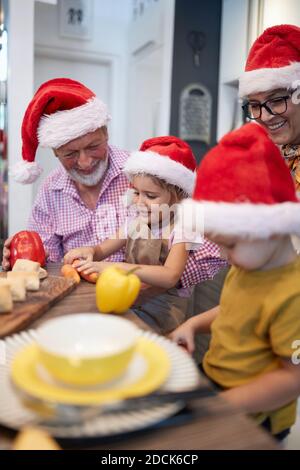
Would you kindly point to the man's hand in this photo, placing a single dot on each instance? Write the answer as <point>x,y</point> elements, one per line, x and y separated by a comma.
<point>85,253</point>
<point>6,254</point>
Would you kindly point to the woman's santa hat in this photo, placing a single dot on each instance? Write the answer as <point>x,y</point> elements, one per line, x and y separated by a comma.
<point>244,189</point>
<point>60,111</point>
<point>273,61</point>
<point>168,158</point>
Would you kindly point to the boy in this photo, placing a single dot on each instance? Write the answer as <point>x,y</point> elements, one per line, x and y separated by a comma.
<point>250,208</point>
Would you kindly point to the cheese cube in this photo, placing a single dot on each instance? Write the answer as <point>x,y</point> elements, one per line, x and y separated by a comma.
<point>42,273</point>
<point>32,281</point>
<point>26,265</point>
<point>17,287</point>
<point>31,438</point>
<point>6,302</point>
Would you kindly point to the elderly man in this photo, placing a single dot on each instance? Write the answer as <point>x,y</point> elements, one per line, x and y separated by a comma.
<point>67,117</point>
<point>80,202</point>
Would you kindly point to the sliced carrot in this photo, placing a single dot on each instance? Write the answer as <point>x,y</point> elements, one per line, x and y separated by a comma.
<point>68,271</point>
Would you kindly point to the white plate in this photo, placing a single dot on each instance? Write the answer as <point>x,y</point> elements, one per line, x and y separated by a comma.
<point>184,375</point>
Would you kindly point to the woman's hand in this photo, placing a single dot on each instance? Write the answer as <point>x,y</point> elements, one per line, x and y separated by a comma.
<point>85,253</point>
<point>184,336</point>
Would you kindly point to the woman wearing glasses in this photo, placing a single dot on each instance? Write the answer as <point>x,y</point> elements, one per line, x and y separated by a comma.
<point>270,88</point>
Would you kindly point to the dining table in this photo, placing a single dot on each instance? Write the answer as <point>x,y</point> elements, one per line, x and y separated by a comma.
<point>208,423</point>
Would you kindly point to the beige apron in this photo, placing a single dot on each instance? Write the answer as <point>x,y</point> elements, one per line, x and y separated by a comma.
<point>164,312</point>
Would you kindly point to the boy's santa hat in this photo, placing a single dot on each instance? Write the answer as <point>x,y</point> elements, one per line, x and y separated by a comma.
<point>60,111</point>
<point>273,61</point>
<point>244,189</point>
<point>168,158</point>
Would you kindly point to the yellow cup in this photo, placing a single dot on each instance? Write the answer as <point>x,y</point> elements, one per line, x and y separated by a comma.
<point>86,349</point>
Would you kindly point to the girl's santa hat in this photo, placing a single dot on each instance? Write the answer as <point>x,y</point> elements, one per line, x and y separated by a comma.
<point>60,111</point>
<point>273,61</point>
<point>244,189</point>
<point>168,158</point>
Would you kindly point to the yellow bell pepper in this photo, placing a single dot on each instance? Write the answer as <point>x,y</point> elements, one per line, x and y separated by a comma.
<point>116,290</point>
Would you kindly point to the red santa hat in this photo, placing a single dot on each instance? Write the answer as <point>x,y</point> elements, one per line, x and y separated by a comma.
<point>60,111</point>
<point>244,189</point>
<point>273,61</point>
<point>168,158</point>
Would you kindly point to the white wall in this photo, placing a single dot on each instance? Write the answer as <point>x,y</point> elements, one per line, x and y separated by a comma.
<point>110,23</point>
<point>150,73</point>
<point>232,59</point>
<point>119,38</point>
<point>167,65</point>
<point>20,89</point>
<point>109,33</point>
<point>281,11</point>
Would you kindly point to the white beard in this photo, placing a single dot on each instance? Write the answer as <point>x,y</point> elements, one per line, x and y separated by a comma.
<point>93,178</point>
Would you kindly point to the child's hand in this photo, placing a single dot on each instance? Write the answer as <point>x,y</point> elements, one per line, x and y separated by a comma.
<point>89,267</point>
<point>85,253</point>
<point>184,336</point>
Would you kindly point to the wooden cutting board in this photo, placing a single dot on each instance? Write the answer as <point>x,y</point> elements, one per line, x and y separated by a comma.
<point>52,289</point>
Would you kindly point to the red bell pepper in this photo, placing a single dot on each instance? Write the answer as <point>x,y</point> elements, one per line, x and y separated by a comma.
<point>27,245</point>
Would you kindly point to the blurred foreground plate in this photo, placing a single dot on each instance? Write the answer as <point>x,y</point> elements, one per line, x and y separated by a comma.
<point>147,371</point>
<point>14,414</point>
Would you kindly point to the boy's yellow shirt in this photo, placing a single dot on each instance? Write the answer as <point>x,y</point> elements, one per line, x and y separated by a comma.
<point>258,322</point>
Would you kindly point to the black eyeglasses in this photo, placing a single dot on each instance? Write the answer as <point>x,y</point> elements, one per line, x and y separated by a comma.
<point>273,106</point>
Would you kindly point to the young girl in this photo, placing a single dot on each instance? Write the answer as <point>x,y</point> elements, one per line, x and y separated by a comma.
<point>161,175</point>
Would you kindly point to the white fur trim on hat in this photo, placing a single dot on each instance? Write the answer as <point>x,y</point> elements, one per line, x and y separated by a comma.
<point>25,172</point>
<point>243,220</point>
<point>256,81</point>
<point>162,167</point>
<point>61,127</point>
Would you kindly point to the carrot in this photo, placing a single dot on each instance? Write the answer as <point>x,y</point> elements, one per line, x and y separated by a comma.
<point>90,277</point>
<point>87,277</point>
<point>69,272</point>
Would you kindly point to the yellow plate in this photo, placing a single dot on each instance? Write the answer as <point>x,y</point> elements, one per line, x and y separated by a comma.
<point>26,377</point>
